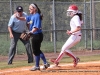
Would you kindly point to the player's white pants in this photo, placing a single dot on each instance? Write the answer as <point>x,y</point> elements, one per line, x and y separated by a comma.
<point>72,41</point>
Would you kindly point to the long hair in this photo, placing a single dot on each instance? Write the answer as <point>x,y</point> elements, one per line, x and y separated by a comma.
<point>39,11</point>
<point>80,16</point>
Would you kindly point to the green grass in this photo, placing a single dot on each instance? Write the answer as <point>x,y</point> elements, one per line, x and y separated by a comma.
<point>3,65</point>
<point>46,46</point>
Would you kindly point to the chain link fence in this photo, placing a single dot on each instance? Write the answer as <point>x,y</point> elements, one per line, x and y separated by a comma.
<point>54,25</point>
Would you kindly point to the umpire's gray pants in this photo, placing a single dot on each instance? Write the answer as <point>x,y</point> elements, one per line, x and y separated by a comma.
<point>12,50</point>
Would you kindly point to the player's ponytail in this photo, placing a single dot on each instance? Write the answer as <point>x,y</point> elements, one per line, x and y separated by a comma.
<point>80,15</point>
<point>39,11</point>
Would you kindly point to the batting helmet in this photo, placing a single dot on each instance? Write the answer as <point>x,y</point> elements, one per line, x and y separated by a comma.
<point>72,9</point>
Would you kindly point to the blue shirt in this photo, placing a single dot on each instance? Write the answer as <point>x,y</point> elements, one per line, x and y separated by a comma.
<point>35,22</point>
<point>16,24</point>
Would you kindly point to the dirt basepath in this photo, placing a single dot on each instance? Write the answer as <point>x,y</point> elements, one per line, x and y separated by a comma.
<point>87,68</point>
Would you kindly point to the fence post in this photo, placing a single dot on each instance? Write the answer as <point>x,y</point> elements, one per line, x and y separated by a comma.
<point>54,31</point>
<point>91,25</point>
<point>85,24</point>
<point>10,7</point>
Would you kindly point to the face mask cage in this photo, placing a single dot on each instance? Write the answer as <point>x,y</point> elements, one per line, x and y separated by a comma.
<point>69,13</point>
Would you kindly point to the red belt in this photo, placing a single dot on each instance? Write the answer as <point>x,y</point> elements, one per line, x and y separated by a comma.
<point>74,34</point>
<point>79,35</point>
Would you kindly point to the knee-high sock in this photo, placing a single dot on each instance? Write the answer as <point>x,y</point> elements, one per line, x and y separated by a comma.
<point>37,60</point>
<point>59,57</point>
<point>69,53</point>
<point>43,58</point>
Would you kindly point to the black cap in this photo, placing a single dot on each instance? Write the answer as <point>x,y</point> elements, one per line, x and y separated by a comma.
<point>19,9</point>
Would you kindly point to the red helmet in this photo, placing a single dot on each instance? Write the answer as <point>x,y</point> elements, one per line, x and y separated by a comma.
<point>72,7</point>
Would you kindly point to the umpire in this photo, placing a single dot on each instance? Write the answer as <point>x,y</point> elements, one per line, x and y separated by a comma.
<point>15,28</point>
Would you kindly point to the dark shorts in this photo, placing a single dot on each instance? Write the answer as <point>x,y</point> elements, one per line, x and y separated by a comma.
<point>36,40</point>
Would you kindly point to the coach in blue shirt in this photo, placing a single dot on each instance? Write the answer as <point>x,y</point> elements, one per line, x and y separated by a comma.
<point>15,28</point>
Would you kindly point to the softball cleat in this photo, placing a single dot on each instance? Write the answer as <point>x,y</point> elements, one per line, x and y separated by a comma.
<point>46,66</point>
<point>76,61</point>
<point>54,61</point>
<point>35,68</point>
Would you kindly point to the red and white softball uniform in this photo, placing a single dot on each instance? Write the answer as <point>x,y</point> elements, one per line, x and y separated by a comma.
<point>75,32</point>
<point>72,40</point>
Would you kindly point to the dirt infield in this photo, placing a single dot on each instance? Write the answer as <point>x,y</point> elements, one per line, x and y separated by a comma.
<point>87,68</point>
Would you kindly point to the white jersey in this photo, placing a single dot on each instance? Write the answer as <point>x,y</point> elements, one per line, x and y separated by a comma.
<point>74,22</point>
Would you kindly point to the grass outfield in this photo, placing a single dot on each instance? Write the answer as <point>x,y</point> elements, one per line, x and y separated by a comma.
<point>3,65</point>
<point>46,46</point>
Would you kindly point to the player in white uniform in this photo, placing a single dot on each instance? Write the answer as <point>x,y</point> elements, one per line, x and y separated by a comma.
<point>75,35</point>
